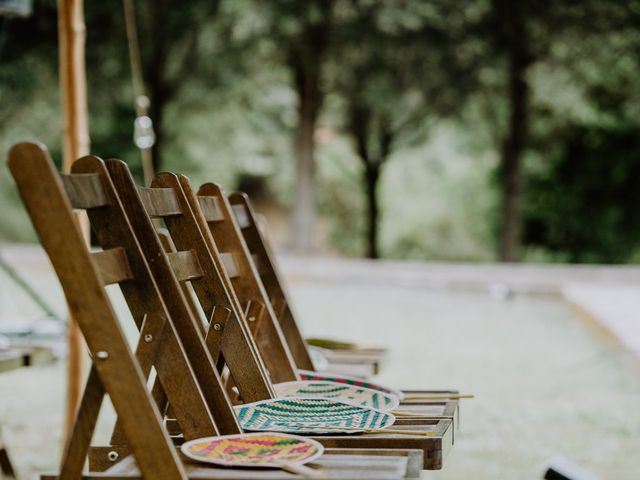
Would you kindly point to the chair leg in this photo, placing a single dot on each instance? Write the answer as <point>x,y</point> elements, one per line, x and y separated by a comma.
<point>5,462</point>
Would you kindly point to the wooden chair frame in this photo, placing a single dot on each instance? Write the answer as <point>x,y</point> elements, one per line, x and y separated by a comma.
<point>261,254</point>
<point>116,371</point>
<point>235,345</point>
<point>239,263</point>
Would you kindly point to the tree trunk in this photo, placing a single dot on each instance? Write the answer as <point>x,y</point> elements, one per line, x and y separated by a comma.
<point>512,152</point>
<point>158,96</point>
<point>157,113</point>
<point>372,176</point>
<point>304,210</point>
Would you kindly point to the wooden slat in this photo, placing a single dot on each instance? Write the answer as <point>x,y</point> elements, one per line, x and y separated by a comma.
<point>241,216</point>
<point>215,334</point>
<point>187,289</point>
<point>230,264</point>
<point>434,447</point>
<point>149,342</point>
<point>76,450</point>
<point>210,207</point>
<point>112,265</point>
<point>84,190</point>
<point>159,202</point>
<point>185,265</point>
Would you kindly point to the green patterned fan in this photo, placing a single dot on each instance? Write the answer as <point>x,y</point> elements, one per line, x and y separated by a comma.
<point>311,416</point>
<point>358,382</point>
<point>343,392</point>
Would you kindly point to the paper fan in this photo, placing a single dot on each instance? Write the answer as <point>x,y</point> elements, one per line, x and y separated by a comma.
<point>311,416</point>
<point>358,382</point>
<point>253,450</point>
<point>365,397</point>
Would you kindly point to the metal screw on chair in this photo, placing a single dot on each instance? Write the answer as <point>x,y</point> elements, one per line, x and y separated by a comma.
<point>102,354</point>
<point>148,338</point>
<point>217,326</point>
<point>252,319</point>
<point>113,456</point>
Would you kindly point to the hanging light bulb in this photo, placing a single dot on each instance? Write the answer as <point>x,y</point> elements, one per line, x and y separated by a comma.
<point>143,134</point>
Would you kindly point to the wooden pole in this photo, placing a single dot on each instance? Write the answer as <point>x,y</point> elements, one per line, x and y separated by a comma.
<point>75,141</point>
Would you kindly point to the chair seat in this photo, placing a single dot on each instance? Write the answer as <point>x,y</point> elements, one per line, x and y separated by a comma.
<point>336,463</point>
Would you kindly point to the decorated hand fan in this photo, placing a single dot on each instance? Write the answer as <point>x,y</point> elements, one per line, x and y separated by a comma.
<point>279,450</point>
<point>311,416</point>
<point>319,358</point>
<point>343,392</point>
<point>358,382</point>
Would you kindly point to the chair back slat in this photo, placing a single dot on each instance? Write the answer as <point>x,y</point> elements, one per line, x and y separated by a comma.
<point>258,263</point>
<point>112,265</point>
<point>240,214</point>
<point>84,191</point>
<point>210,207</point>
<point>230,264</point>
<point>159,202</point>
<point>185,265</point>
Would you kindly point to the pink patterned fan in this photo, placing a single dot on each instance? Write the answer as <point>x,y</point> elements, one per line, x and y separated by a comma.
<point>279,450</point>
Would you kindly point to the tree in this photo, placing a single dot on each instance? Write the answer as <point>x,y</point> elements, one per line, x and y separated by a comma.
<point>521,35</point>
<point>581,205</point>
<point>398,67</point>
<point>171,47</point>
<point>512,32</point>
<point>305,51</point>
<point>584,206</point>
<point>298,36</point>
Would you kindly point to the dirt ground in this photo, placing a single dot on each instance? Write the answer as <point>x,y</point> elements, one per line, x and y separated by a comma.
<point>545,384</point>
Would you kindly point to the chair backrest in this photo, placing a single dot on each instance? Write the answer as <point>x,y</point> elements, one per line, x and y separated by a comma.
<point>50,199</point>
<point>259,251</point>
<point>228,335</point>
<point>229,248</point>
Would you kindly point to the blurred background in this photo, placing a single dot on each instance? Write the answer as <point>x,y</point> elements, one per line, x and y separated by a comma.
<point>428,130</point>
<point>442,136</point>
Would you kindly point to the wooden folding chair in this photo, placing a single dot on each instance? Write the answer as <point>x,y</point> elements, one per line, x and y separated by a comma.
<point>226,227</point>
<point>354,361</point>
<point>164,202</point>
<point>167,199</point>
<point>116,371</point>
<point>191,233</point>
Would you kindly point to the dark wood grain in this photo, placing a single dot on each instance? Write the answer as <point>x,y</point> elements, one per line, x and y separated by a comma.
<point>212,291</point>
<point>248,287</point>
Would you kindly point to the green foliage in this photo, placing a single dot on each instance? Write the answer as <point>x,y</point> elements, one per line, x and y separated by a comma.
<point>421,82</point>
<point>584,206</point>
